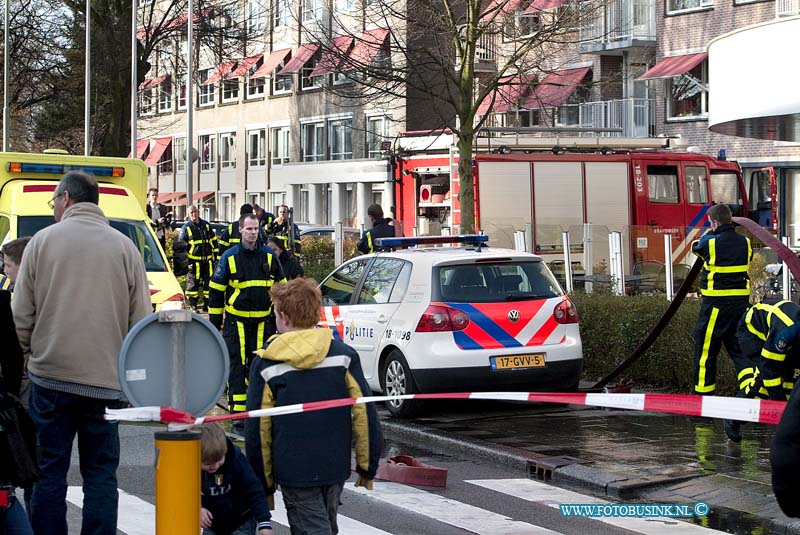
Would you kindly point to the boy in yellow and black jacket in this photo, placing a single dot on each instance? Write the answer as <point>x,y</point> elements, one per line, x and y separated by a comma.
<point>308,454</point>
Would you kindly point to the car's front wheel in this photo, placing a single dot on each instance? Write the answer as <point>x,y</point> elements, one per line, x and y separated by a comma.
<point>396,380</point>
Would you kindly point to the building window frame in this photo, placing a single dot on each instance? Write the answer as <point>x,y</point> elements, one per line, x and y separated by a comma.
<point>279,145</point>
<point>205,93</point>
<point>283,9</point>
<point>340,139</point>
<point>257,148</point>
<point>306,80</point>
<point>208,155</point>
<point>311,10</point>
<point>165,96</point>
<point>256,17</point>
<point>312,144</point>
<point>230,90</point>
<point>180,91</point>
<point>227,150</point>
<point>693,84</point>
<point>281,83</point>
<point>687,6</point>
<point>377,131</point>
<point>179,154</point>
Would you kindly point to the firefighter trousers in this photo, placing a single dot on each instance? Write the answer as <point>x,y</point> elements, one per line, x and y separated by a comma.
<point>242,338</point>
<point>716,326</point>
<point>197,281</point>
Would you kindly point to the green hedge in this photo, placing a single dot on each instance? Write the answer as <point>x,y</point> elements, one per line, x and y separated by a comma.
<point>611,327</point>
<point>317,257</point>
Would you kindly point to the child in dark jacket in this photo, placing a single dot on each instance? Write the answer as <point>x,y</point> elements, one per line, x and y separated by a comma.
<point>233,500</point>
<point>309,454</point>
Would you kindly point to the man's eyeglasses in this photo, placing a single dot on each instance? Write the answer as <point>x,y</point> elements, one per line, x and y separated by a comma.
<point>52,202</point>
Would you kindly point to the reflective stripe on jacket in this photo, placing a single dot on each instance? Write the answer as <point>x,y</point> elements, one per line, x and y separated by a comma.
<point>726,258</point>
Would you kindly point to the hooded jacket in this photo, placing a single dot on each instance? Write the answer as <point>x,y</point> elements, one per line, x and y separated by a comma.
<point>381,228</point>
<point>313,448</point>
<point>232,494</point>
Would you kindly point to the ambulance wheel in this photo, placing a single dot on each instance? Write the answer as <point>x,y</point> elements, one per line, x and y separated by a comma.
<point>396,379</point>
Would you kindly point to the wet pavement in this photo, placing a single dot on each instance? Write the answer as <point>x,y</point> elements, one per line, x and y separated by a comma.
<point>619,454</point>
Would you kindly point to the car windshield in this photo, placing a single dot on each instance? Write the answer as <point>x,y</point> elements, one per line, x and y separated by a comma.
<point>135,230</point>
<point>491,282</point>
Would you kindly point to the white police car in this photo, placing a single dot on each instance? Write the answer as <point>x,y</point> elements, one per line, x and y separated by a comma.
<point>454,319</point>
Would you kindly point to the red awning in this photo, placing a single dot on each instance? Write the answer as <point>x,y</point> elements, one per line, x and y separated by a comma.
<point>244,66</point>
<point>201,195</point>
<point>542,5</point>
<point>222,71</point>
<point>273,60</point>
<point>368,46</point>
<point>177,197</point>
<point>305,53</point>
<point>497,9</point>
<point>555,89</point>
<point>510,92</point>
<point>141,147</point>
<point>674,66</point>
<point>166,197</point>
<point>158,150</point>
<point>333,55</point>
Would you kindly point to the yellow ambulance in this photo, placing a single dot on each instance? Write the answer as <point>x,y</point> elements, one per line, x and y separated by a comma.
<point>28,181</point>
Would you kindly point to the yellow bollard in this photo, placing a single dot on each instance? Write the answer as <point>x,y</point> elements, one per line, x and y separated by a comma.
<point>177,483</point>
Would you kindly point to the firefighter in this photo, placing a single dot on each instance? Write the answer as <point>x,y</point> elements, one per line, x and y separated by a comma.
<point>265,218</point>
<point>231,235</point>
<point>202,246</point>
<point>725,291</point>
<point>240,287</point>
<point>381,228</point>
<point>289,262</point>
<point>279,228</point>
<point>767,336</point>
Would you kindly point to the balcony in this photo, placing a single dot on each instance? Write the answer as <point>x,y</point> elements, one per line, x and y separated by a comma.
<point>486,53</point>
<point>787,8</point>
<point>619,24</point>
<point>634,116</point>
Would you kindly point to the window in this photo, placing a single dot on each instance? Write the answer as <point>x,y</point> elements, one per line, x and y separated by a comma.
<point>377,194</point>
<point>687,94</point>
<point>311,10</point>
<point>306,80</point>
<point>304,204</point>
<point>662,182</point>
<point>338,289</point>
<point>180,86</point>
<point>179,152</point>
<point>225,211</point>
<point>313,142</point>
<point>518,25</point>
<point>386,282</point>
<point>257,148</point>
<point>760,195</point>
<point>205,93</point>
<point>255,86</point>
<point>207,152</point>
<point>281,83</point>
<point>280,145</point>
<point>377,131</point>
<point>165,96</point>
<point>255,17</point>
<point>227,150</point>
<point>725,189</point>
<point>165,163</point>
<point>276,199</point>
<point>282,10</point>
<point>696,185</point>
<point>147,102</point>
<point>230,90</point>
<point>254,198</point>
<point>684,5</point>
<point>343,6</point>
<point>341,139</point>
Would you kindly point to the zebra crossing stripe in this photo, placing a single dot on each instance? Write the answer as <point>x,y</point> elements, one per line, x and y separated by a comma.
<point>135,516</point>
<point>461,515</point>
<point>537,492</point>
<point>346,525</point>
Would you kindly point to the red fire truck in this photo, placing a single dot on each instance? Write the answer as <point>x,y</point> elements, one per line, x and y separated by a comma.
<point>642,187</point>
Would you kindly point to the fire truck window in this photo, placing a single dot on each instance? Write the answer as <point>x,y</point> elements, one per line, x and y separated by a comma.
<point>725,189</point>
<point>696,185</point>
<point>662,182</point>
<point>760,195</point>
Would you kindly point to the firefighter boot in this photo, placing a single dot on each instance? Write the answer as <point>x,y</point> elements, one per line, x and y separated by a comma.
<point>733,429</point>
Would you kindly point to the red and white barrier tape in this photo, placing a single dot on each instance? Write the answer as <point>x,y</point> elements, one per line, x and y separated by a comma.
<point>748,410</point>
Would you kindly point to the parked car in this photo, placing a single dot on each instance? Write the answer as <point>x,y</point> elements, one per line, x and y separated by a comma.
<point>307,230</point>
<point>451,319</point>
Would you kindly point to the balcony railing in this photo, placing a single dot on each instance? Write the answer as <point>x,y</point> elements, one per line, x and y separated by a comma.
<point>787,8</point>
<point>618,23</point>
<point>634,116</point>
<point>487,47</point>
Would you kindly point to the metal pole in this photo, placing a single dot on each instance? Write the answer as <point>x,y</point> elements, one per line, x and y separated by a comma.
<point>786,275</point>
<point>338,244</point>
<point>189,103</point>
<point>668,282</point>
<point>87,82</point>
<point>134,78</point>
<point>588,268</point>
<point>7,44</point>
<point>567,261</point>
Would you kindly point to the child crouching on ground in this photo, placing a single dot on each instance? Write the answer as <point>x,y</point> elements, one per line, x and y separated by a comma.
<point>308,454</point>
<point>233,500</point>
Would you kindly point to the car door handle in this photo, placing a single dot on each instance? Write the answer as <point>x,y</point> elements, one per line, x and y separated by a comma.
<point>382,319</point>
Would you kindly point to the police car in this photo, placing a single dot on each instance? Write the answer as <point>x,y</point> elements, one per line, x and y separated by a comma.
<point>453,319</point>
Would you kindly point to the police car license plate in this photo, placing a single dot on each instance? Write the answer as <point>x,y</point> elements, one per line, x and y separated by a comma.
<point>515,362</point>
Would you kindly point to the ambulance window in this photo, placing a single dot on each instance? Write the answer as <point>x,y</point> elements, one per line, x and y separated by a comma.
<point>379,284</point>
<point>696,185</point>
<point>338,288</point>
<point>142,238</point>
<point>662,183</point>
<point>5,225</point>
<point>725,189</point>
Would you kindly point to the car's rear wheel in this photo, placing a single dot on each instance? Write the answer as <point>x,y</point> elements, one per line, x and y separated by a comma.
<point>396,380</point>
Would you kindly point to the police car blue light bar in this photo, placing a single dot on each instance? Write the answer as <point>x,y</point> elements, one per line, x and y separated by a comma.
<point>431,240</point>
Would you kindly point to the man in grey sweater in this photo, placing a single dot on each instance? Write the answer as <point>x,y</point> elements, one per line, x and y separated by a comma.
<point>81,287</point>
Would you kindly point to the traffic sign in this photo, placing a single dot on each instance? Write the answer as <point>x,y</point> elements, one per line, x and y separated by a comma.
<point>174,358</point>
